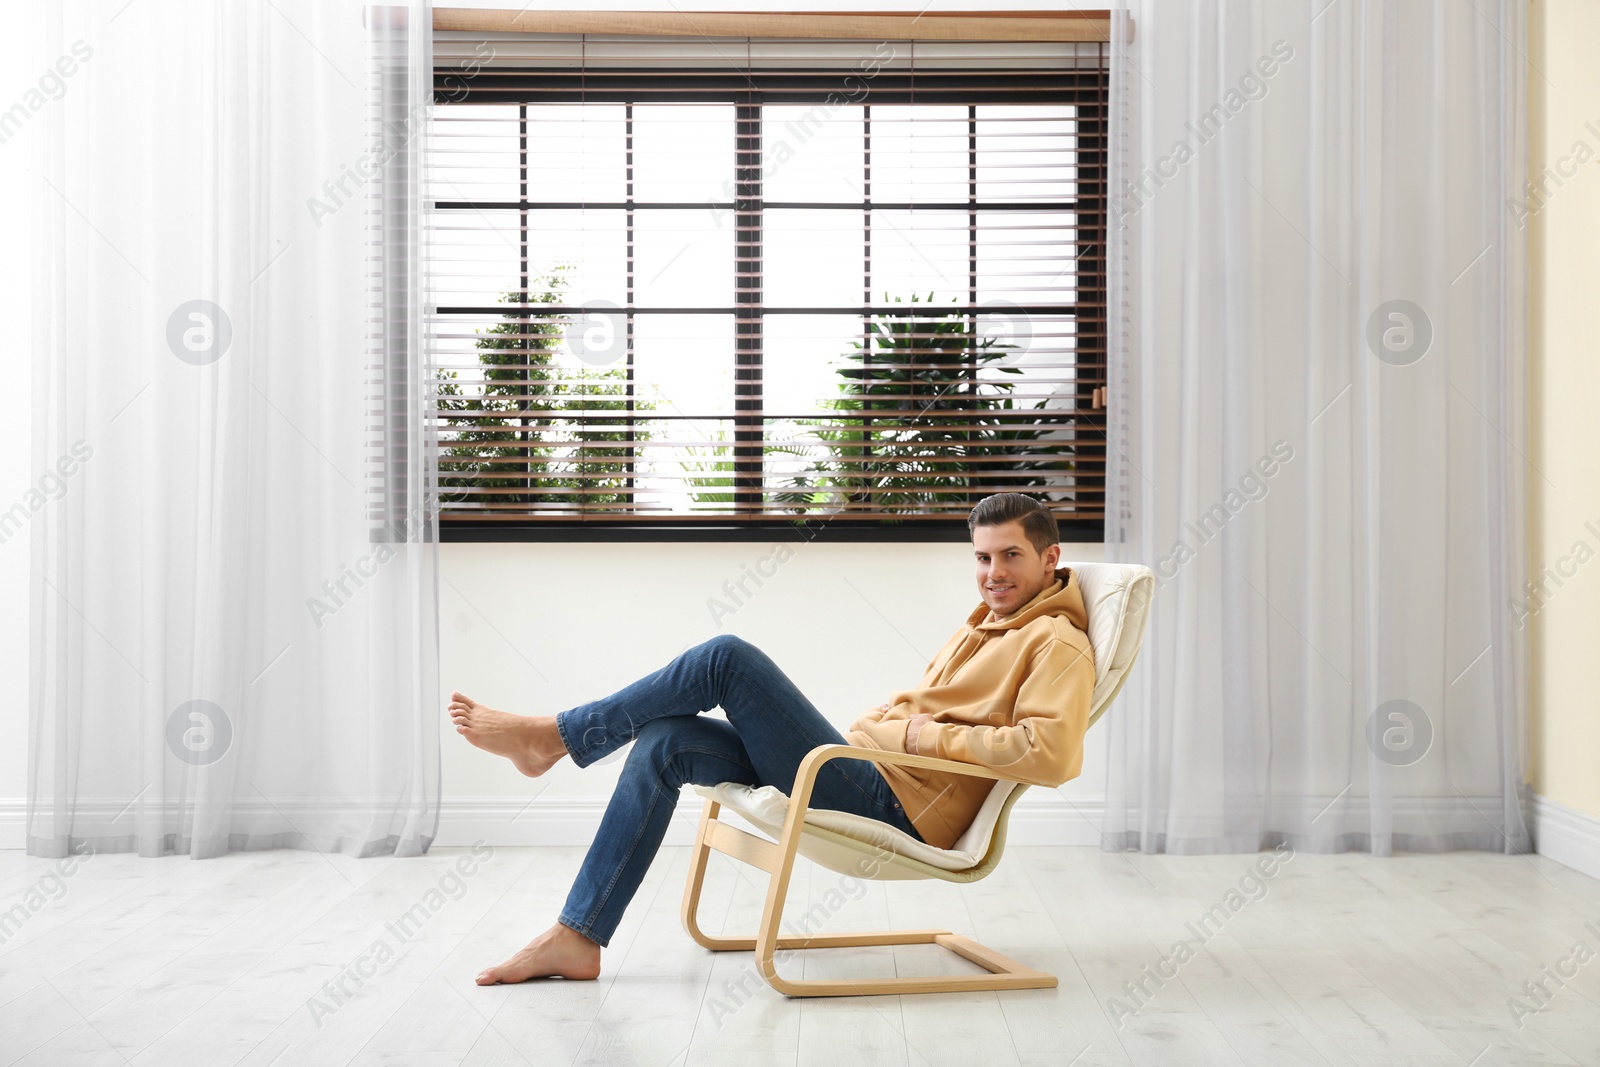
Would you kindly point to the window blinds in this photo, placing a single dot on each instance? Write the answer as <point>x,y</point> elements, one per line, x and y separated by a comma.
<point>737,280</point>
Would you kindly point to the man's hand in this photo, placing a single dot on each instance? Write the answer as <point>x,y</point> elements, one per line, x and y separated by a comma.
<point>912,729</point>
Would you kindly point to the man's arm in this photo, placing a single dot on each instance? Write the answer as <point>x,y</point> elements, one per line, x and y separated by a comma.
<point>1044,743</point>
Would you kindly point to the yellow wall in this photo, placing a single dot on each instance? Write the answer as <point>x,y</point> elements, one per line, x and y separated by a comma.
<point>1563,394</point>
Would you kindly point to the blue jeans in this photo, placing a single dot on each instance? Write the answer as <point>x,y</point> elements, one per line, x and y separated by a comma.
<point>770,728</point>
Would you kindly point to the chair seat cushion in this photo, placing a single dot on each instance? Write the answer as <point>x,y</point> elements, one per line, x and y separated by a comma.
<point>766,807</point>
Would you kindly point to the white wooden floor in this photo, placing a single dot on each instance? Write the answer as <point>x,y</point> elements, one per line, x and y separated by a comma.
<point>1345,960</point>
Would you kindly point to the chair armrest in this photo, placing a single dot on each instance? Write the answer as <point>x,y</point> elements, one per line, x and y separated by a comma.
<point>806,776</point>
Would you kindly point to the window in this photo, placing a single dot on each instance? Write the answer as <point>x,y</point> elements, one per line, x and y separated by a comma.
<point>722,284</point>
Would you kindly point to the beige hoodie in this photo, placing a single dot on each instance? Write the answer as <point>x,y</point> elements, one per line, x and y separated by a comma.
<point>1012,694</point>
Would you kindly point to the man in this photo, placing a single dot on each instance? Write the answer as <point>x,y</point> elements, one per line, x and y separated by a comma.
<point>1010,690</point>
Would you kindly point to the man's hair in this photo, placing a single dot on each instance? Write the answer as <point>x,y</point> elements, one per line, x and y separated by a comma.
<point>1037,523</point>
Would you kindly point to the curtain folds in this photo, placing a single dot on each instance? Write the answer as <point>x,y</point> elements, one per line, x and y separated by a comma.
<point>1317,425</point>
<point>234,600</point>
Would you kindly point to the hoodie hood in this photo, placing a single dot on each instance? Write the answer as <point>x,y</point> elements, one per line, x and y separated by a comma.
<point>1063,597</point>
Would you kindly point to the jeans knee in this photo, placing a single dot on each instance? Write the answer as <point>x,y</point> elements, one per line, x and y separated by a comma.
<point>726,644</point>
<point>656,749</point>
<point>724,650</point>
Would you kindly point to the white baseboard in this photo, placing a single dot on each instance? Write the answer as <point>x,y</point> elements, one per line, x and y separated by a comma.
<point>1566,835</point>
<point>13,822</point>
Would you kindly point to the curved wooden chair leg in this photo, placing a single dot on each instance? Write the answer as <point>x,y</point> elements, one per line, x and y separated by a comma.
<point>778,861</point>
<point>698,859</point>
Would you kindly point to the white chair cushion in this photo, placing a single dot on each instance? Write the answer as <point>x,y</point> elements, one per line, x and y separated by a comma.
<point>767,806</point>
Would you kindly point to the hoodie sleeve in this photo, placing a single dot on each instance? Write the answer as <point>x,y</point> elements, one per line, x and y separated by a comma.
<point>1044,744</point>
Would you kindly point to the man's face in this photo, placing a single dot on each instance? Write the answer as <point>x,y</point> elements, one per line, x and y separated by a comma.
<point>1011,571</point>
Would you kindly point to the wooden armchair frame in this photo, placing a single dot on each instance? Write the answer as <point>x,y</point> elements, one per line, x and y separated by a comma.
<point>777,859</point>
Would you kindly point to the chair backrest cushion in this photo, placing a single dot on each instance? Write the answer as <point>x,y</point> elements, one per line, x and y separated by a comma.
<point>1117,598</point>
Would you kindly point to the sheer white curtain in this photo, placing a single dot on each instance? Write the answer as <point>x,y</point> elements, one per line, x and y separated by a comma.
<point>1317,425</point>
<point>234,598</point>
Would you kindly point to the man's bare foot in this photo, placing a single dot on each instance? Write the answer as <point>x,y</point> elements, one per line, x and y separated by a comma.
<point>560,950</point>
<point>531,742</point>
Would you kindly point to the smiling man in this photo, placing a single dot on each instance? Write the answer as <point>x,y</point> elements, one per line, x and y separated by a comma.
<point>1011,690</point>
